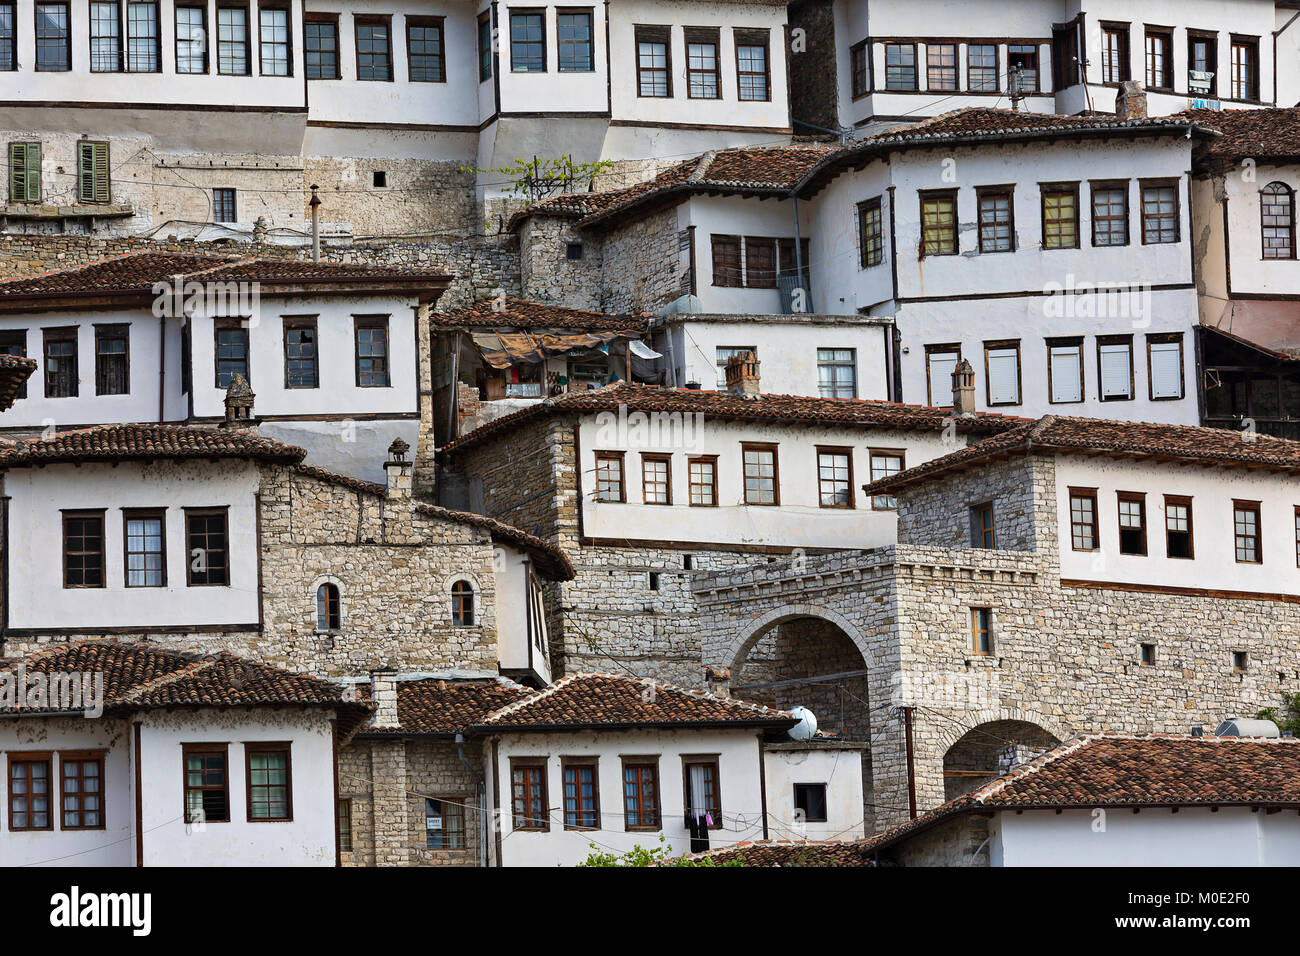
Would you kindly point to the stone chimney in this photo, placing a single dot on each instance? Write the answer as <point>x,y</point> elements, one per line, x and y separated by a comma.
<point>239,405</point>
<point>383,694</point>
<point>398,470</point>
<point>1131,101</point>
<point>742,375</point>
<point>963,388</point>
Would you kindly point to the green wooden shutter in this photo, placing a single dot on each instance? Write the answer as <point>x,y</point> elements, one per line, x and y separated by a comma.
<point>92,172</point>
<point>24,172</point>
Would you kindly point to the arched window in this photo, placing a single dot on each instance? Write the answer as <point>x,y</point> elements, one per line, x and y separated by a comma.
<point>1277,216</point>
<point>462,604</point>
<point>328,615</point>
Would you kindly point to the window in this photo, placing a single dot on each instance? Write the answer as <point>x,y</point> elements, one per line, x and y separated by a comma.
<point>885,462</point>
<point>60,362</point>
<point>982,68</point>
<point>143,38</point>
<point>231,352</point>
<point>900,66</point>
<point>223,205</point>
<point>1277,218</point>
<point>760,263</point>
<point>206,545</point>
<point>444,824</point>
<point>1245,68</point>
<point>8,53</point>
<point>1160,60</point>
<point>1022,63</point>
<point>1178,527</point>
<point>640,793</point>
<point>1061,216</point>
<point>1240,660</point>
<point>300,365</point>
<point>1002,373</point>
<point>941,66</point>
<point>1297,536</point>
<point>424,50</point>
<point>835,477</point>
<point>871,233</point>
<point>1110,214</point>
<point>981,630</point>
<point>29,792</point>
<point>703,796</point>
<point>207,785</point>
<point>485,47</point>
<point>232,41</point>
<point>981,526</point>
<point>192,40</point>
<point>146,548</point>
<point>609,476</point>
<point>374,48</point>
<point>703,77</point>
<point>1159,213</point>
<point>1148,655</point>
<point>1132,522</point>
<point>329,615</point>
<point>1114,54</point>
<point>1065,370</point>
<point>574,41</point>
<point>581,794</point>
<point>997,219</point>
<point>860,68</point>
<point>105,37</point>
<point>344,816</point>
<point>270,793</point>
<point>653,62</point>
<point>462,604</point>
<point>940,362</point>
<point>92,172</point>
<point>81,790</point>
<point>379,178</point>
<point>1165,366</point>
<point>762,483</point>
<point>527,42</point>
<point>656,479</point>
<point>837,373</point>
<point>726,261</point>
<point>1245,524</point>
<point>652,580</point>
<point>83,549</point>
<point>810,802</point>
<point>320,36</point>
<point>528,795</point>
<point>14,342</point>
<point>752,77</point>
<point>703,473</point>
<point>372,351</point>
<point>573,251</point>
<point>723,354</point>
<point>1115,367</point>
<point>273,39</point>
<point>1203,58</point>
<point>112,360</point>
<point>53,37</point>
<point>939,223</point>
<point>1083,519</point>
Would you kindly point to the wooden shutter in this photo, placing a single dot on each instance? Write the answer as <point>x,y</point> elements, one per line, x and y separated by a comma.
<point>24,172</point>
<point>92,172</point>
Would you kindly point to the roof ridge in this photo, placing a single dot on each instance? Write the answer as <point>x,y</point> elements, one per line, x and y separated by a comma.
<point>702,167</point>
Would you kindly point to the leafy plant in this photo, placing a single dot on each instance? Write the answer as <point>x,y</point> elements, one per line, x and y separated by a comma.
<point>643,856</point>
<point>1287,717</point>
<point>535,180</point>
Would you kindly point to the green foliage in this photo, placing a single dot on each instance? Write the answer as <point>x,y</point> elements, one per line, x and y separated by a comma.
<point>535,180</point>
<point>661,855</point>
<point>1287,717</point>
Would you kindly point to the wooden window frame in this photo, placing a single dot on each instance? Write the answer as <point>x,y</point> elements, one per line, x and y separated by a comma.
<point>332,19</point>
<point>940,195</point>
<point>360,20</point>
<point>754,38</point>
<point>113,330</point>
<point>916,69</point>
<point>20,179</point>
<point>712,461</point>
<point>931,48</point>
<point>458,802</point>
<point>539,12</point>
<point>219,200</point>
<point>976,631</point>
<point>1101,184</point>
<point>1038,65</point>
<point>1139,498</point>
<point>1166,36</point>
<point>860,49</point>
<point>703,760</point>
<point>566,763</point>
<point>539,764</point>
<point>463,600</point>
<point>622,476</point>
<point>53,800</point>
<point>871,246</point>
<point>757,277</point>
<point>426,22</point>
<point>215,38</point>
<point>719,273</point>
<point>226,325</point>
<point>847,452</point>
<point>143,514</point>
<point>1182,501</point>
<point>627,761</point>
<point>1239,504</point>
<point>1165,338</point>
<point>653,33</point>
<point>287,7</point>
<point>971,67</point>
<point>1124,339</point>
<point>1003,345</point>
<point>176,38</point>
<point>993,192</point>
<point>10,339</point>
<point>1075,342</point>
<point>1296,518</point>
<point>1164,183</point>
<point>92,36</point>
<point>205,749</point>
<point>773,448</point>
<point>264,747</point>
<point>81,756</point>
<point>1124,51</point>
<point>360,322</point>
<point>80,514</point>
<point>1238,41</point>
<point>901,455</point>
<point>224,512</point>
<point>1291,230</point>
<point>1058,189</point>
<point>985,514</point>
<point>62,333</point>
<point>97,197</point>
<point>486,54</point>
<point>940,348</point>
<point>590,14</point>
<point>11,64</point>
<point>667,461</point>
<point>334,615</point>
<point>1094,526</point>
<point>298,323</point>
<point>67,37</point>
<point>1212,37</point>
<point>343,825</point>
<point>703,35</point>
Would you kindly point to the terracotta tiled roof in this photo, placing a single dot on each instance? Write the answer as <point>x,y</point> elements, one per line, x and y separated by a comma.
<point>444,707</point>
<point>768,409</point>
<point>764,853</point>
<point>523,314</point>
<point>14,372</point>
<point>1267,135</point>
<point>1141,440</point>
<point>1116,770</point>
<point>615,701</point>
<point>145,442</point>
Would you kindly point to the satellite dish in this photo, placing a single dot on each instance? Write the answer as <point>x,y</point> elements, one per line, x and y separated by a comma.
<point>806,729</point>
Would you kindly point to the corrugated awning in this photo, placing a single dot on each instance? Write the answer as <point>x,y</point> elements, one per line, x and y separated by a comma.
<point>504,349</point>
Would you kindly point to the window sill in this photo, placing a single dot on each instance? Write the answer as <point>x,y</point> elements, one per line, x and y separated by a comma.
<point>983,660</point>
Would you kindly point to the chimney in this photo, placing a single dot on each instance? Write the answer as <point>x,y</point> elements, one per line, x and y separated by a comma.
<point>742,375</point>
<point>963,388</point>
<point>239,405</point>
<point>398,470</point>
<point>383,694</point>
<point>1131,101</point>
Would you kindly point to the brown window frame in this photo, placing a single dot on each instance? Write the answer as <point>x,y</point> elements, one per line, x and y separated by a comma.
<point>360,322</point>
<point>81,757</point>
<point>14,342</point>
<point>712,462</point>
<point>995,192</point>
<point>298,323</point>
<point>592,763</point>
<point>703,35</point>
<point>972,67</point>
<point>899,453</point>
<point>931,67</point>
<point>1123,51</point>
<point>1165,338</point>
<point>715,808</point>
<point>1180,501</point>
<point>1066,342</point>
<point>622,476</point>
<point>224,512</point>
<point>983,526</point>
<point>653,33</point>
<point>215,39</point>
<point>80,514</point>
<point>333,607</point>
<point>773,448</point>
<point>860,56</point>
<point>667,461</point>
<point>1268,190</point>
<point>229,325</point>
<point>373,19</point>
<point>1242,41</point>
<point>27,758</point>
<point>1296,517</point>
<point>462,603</point>
<point>451,809</point>
<point>343,826</point>
<point>1093,526</point>
<point>954,241</point>
<point>759,276</point>
<point>513,12</point>
<point>287,7</point>
<point>539,764</point>
<point>1124,339</point>
<point>986,632</point>
<point>1165,36</point>
<point>1212,38</point>
<point>331,18</point>
<point>639,762</point>
<point>757,38</point>
<point>264,747</point>
<point>1058,189</point>
<point>1038,64</point>
<point>847,452</point>
<point>590,14</point>
<point>916,69</point>
<point>1239,504</point>
<point>176,38</point>
<point>1003,345</point>
<point>871,245</point>
<point>426,22</point>
<point>143,514</point>
<point>1100,184</point>
<point>1175,184</point>
<point>55,335</point>
<point>1139,498</point>
<point>723,278</point>
<point>205,749</point>
<point>940,348</point>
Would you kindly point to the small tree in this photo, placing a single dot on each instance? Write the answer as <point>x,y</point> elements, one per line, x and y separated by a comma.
<point>535,180</point>
<point>1287,717</point>
<point>653,856</point>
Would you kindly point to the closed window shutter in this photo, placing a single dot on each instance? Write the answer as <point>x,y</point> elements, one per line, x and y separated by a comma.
<point>1066,386</point>
<point>24,172</point>
<point>942,365</point>
<point>92,172</point>
<point>1115,375</point>
<point>33,169</point>
<point>1166,369</point>
<point>1004,376</point>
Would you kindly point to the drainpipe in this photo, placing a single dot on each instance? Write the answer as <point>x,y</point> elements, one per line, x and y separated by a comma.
<point>315,224</point>
<point>162,365</point>
<point>911,766</point>
<point>798,245</point>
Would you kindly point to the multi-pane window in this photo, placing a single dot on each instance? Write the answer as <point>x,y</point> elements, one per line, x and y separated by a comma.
<point>1178,527</point>
<point>344,815</point>
<point>1165,366</point>
<point>1065,370</point>
<point>528,797</point>
<point>112,360</point>
<point>609,477</point>
<point>462,604</point>
<point>146,549</point>
<point>1160,62</point>
<point>900,66</point>
<point>207,547</point>
<point>703,794</point>
<point>527,42</point>
<point>981,526</point>
<point>1114,55</point>
<point>1022,64</point>
<point>105,37</point>
<point>29,792</point>
<point>1110,214</point>
<point>444,824</point>
<point>703,475</point>
<point>574,51</point>
<point>424,50</point>
<point>143,38</point>
<point>760,263</point>
<point>1132,523</point>
<point>940,363</point>
<point>652,62</point>
<point>61,362</point>
<point>273,36</point>
<point>837,373</point>
<point>941,66</point>
<point>982,67</point>
<point>92,172</point>
<point>1159,213</point>
<point>83,549</point>
<point>300,365</point>
<point>884,463</point>
<point>871,233</point>
<point>1203,58</point>
<point>581,795</point>
<point>191,39</point>
<point>8,51</point>
<point>703,81</point>
<point>329,615</point>
<point>231,353</point>
<point>981,630</point>
<point>320,38</point>
<point>53,37</point>
<point>269,787</point>
<point>835,477</point>
<point>1277,218</point>
<point>207,784</point>
<point>374,49</point>
<point>641,796</point>
<point>860,68</point>
<point>1245,69</point>
<point>14,342</point>
<point>939,224</point>
<point>995,225</point>
<point>1245,526</point>
<point>726,261</point>
<point>223,205</point>
<point>232,41</point>
<point>372,352</point>
<point>656,479</point>
<point>723,354</point>
<point>81,791</point>
<point>1002,373</point>
<point>1061,217</point>
<point>485,47</point>
<point>761,479</point>
<point>1115,367</point>
<point>1297,536</point>
<point>1083,519</point>
<point>752,66</point>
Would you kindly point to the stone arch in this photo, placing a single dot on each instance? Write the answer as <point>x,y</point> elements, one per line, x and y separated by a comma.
<point>990,747</point>
<point>343,598</point>
<point>749,635</point>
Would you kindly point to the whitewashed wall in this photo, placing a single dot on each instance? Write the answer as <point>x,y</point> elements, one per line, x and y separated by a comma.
<point>516,648</point>
<point>736,216</point>
<point>1251,273</point>
<point>840,770</point>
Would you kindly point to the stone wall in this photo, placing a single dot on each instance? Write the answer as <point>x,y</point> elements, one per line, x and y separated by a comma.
<point>937,512</point>
<point>642,265</point>
<point>546,272</point>
<point>814,90</point>
<point>958,842</point>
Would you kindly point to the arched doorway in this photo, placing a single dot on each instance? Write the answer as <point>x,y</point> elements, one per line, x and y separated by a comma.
<point>989,750</point>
